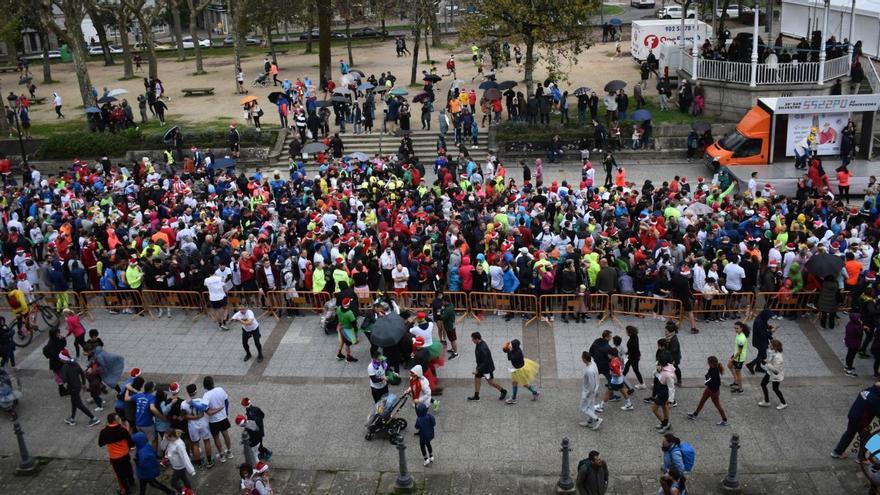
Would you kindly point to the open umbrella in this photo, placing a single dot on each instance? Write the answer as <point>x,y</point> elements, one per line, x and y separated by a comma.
<point>169,134</point>
<point>582,91</point>
<point>93,110</point>
<point>421,96</point>
<point>505,85</point>
<point>356,72</point>
<point>339,99</point>
<point>275,96</point>
<point>432,78</point>
<point>117,92</point>
<point>399,92</point>
<point>341,91</point>
<point>25,80</point>
<point>358,155</point>
<point>701,127</point>
<point>488,85</point>
<point>247,99</point>
<point>323,103</point>
<point>641,115</point>
<point>106,99</point>
<point>614,21</point>
<point>615,85</point>
<point>388,330</point>
<point>824,264</point>
<point>492,94</point>
<point>227,163</point>
<point>381,89</point>
<point>365,86</point>
<point>698,209</point>
<point>314,148</point>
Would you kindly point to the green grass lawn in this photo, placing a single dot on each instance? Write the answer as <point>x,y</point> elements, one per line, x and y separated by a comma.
<point>78,124</point>
<point>612,9</point>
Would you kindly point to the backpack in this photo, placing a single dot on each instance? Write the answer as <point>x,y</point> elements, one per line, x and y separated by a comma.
<point>12,300</point>
<point>688,456</point>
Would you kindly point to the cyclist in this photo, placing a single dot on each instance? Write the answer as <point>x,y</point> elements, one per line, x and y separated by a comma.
<point>19,305</point>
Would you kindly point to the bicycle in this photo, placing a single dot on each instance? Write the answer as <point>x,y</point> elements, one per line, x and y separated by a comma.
<point>23,330</point>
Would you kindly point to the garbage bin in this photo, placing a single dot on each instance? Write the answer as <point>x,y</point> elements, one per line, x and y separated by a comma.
<point>65,54</point>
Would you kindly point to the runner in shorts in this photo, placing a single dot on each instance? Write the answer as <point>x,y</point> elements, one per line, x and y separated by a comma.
<point>485,367</point>
<point>194,411</point>
<point>218,420</point>
<point>447,318</point>
<point>739,357</point>
<point>217,300</point>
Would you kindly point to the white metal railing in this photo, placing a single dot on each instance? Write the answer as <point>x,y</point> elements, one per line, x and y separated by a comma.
<point>870,71</point>
<point>838,67</point>
<point>788,73</point>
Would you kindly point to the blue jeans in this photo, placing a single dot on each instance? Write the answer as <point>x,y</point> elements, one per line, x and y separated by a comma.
<point>621,115</point>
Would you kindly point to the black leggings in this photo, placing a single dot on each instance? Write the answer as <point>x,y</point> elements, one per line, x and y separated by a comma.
<point>850,357</point>
<point>245,336</point>
<point>844,192</point>
<point>828,318</point>
<point>155,484</point>
<point>427,451</point>
<point>634,364</point>
<point>776,391</point>
<point>77,403</point>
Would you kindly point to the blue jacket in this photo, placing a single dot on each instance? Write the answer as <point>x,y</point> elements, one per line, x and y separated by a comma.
<point>112,365</point>
<point>672,457</point>
<point>425,423</point>
<point>57,279</point>
<point>147,465</point>
<point>511,282</point>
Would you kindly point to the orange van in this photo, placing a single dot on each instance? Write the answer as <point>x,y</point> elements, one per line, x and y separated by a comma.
<point>749,144</point>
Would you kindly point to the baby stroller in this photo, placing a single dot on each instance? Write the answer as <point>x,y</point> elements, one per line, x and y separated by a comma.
<point>328,318</point>
<point>383,418</point>
<point>10,392</point>
<point>262,81</point>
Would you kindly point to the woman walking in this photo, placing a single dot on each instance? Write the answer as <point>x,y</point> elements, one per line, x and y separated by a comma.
<point>182,467</point>
<point>852,339</point>
<point>633,355</point>
<point>774,375</point>
<point>827,303</point>
<point>713,387</point>
<point>740,354</point>
<point>663,393</point>
<point>762,333</point>
<point>525,370</point>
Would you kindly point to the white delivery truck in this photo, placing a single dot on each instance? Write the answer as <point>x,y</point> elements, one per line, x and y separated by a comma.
<point>648,35</point>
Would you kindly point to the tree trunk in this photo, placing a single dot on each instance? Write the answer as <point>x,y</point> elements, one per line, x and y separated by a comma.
<point>435,30</point>
<point>271,45</point>
<point>427,50</point>
<point>178,31</point>
<point>194,13</point>
<point>80,56</point>
<point>383,25</point>
<point>236,41</point>
<point>102,33</point>
<point>348,39</point>
<point>530,64</point>
<point>415,56</point>
<point>47,67</point>
<point>286,32</point>
<point>149,46</point>
<point>122,26</point>
<point>310,26</point>
<point>324,63</point>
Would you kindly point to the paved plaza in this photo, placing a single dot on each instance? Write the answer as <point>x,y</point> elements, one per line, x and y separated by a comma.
<point>316,407</point>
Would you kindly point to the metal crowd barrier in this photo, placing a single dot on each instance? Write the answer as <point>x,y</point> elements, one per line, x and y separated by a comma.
<point>113,301</point>
<point>625,304</point>
<point>285,302</point>
<point>253,299</point>
<point>502,302</point>
<point>785,303</point>
<point>165,299</point>
<point>723,305</point>
<point>561,304</point>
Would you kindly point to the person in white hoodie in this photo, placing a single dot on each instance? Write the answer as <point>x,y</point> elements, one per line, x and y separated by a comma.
<point>664,394</point>
<point>590,393</point>
<point>419,388</point>
<point>175,452</point>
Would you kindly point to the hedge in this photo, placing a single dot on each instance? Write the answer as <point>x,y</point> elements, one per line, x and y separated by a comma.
<point>93,144</point>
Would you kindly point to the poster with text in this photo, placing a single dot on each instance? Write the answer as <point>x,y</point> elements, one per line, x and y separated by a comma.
<point>830,126</point>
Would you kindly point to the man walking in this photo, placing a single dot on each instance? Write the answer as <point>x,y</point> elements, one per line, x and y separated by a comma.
<point>74,377</point>
<point>863,410</point>
<point>118,441</point>
<point>250,329</point>
<point>218,420</point>
<point>592,476</point>
<point>217,300</point>
<point>590,393</point>
<point>485,368</point>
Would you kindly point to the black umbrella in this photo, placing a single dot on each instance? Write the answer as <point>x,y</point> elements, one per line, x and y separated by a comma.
<point>432,77</point>
<point>275,96</point>
<point>106,99</point>
<point>339,99</point>
<point>25,80</point>
<point>388,330</point>
<point>314,148</point>
<point>227,163</point>
<point>357,73</point>
<point>824,264</point>
<point>323,103</point>
<point>505,85</point>
<point>615,85</point>
<point>582,91</point>
<point>488,85</point>
<point>701,127</point>
<point>492,94</point>
<point>421,96</point>
<point>169,134</point>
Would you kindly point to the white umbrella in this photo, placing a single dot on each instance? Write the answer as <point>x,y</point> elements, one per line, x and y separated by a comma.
<point>698,209</point>
<point>117,92</point>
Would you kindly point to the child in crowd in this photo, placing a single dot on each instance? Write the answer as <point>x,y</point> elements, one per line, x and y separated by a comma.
<point>94,339</point>
<point>425,423</point>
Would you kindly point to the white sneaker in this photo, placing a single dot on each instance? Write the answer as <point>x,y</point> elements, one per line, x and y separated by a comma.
<point>599,409</point>
<point>627,407</point>
<point>764,404</point>
<point>99,409</point>
<point>585,424</point>
<point>427,461</point>
<point>431,458</point>
<point>641,386</point>
<point>781,407</point>
<point>595,425</point>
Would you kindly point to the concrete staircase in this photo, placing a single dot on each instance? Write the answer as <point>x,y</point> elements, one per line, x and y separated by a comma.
<point>424,144</point>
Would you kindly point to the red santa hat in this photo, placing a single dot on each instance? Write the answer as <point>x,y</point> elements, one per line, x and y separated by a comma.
<point>240,420</point>
<point>245,402</point>
<point>174,388</point>
<point>64,355</point>
<point>346,302</point>
<point>418,342</point>
<point>135,372</point>
<point>261,467</point>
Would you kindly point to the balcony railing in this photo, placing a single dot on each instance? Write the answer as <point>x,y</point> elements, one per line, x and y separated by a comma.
<point>790,73</point>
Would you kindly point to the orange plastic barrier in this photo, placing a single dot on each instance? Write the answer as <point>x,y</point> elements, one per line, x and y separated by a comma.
<point>723,305</point>
<point>129,301</point>
<point>570,304</point>
<point>502,302</point>
<point>625,304</point>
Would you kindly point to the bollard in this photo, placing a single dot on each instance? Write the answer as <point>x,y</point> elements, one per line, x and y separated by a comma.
<point>404,480</point>
<point>26,466</point>
<point>731,483</point>
<point>565,483</point>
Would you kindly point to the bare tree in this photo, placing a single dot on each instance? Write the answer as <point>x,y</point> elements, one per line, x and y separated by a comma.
<point>195,10</point>
<point>343,7</point>
<point>147,17</point>
<point>73,36</point>
<point>325,15</point>
<point>98,23</point>
<point>122,22</point>
<point>174,6</point>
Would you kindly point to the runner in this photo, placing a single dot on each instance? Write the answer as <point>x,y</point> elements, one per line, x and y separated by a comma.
<point>524,371</point>
<point>218,422</point>
<point>250,329</point>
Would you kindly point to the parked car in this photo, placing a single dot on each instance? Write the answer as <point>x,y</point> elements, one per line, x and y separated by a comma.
<point>674,12</point>
<point>315,33</point>
<point>732,12</point>
<point>140,46</point>
<point>368,32</point>
<point>97,50</point>
<point>248,40</point>
<point>39,56</point>
<point>188,42</point>
<point>642,4</point>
